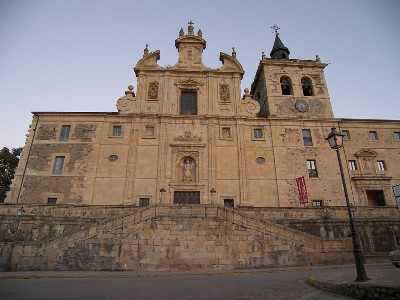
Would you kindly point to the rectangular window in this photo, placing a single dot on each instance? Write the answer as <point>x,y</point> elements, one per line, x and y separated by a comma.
<point>257,133</point>
<point>397,136</point>
<point>58,165</point>
<point>226,133</point>
<point>117,130</point>
<point>317,203</point>
<point>64,135</point>
<point>352,165</point>
<point>51,201</point>
<point>229,203</point>
<point>150,131</point>
<point>381,165</point>
<point>307,139</point>
<point>188,103</point>
<point>373,135</point>
<point>144,202</point>
<point>346,134</point>
<point>312,168</point>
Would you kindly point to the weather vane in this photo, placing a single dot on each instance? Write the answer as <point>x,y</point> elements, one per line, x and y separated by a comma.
<point>275,28</point>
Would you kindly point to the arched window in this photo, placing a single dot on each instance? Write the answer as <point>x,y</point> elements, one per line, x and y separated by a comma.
<point>307,87</point>
<point>286,86</point>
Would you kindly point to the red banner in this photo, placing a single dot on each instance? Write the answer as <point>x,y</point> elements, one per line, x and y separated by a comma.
<point>301,186</point>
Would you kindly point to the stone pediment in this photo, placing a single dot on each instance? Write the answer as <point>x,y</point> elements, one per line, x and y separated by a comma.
<point>148,61</point>
<point>230,63</point>
<point>365,153</point>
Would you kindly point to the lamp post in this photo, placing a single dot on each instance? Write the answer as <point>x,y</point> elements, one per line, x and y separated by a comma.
<point>20,213</point>
<point>353,210</point>
<point>212,192</point>
<point>162,191</point>
<point>335,140</point>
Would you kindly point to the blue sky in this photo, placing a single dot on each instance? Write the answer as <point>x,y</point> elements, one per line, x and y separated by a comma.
<point>79,55</point>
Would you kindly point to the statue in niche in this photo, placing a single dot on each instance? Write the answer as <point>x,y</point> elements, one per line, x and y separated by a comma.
<point>224,92</point>
<point>187,170</point>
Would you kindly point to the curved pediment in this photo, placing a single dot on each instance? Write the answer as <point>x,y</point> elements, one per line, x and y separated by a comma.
<point>230,63</point>
<point>365,153</point>
<point>148,61</point>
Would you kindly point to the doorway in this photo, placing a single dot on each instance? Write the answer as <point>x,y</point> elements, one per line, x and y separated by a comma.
<point>375,198</point>
<point>181,197</point>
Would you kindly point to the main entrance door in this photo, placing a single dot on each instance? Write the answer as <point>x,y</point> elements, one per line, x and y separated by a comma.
<point>186,197</point>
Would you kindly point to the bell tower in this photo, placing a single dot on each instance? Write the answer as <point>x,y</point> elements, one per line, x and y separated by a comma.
<point>290,88</point>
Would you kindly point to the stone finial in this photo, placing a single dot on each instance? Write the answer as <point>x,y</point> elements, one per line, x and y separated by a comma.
<point>181,33</point>
<point>246,91</point>
<point>146,50</point>
<point>233,52</point>
<point>317,58</point>
<point>190,28</point>
<point>263,56</point>
<point>200,33</point>
<point>130,91</point>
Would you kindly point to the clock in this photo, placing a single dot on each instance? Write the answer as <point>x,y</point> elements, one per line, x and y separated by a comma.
<point>301,105</point>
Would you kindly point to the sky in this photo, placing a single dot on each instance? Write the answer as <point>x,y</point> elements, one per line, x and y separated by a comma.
<point>78,55</point>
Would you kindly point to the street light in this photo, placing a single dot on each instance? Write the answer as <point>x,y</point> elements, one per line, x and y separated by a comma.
<point>20,213</point>
<point>212,192</point>
<point>353,210</point>
<point>335,140</point>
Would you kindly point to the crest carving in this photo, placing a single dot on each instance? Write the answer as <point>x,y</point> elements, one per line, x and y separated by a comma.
<point>224,92</point>
<point>153,90</point>
<point>187,137</point>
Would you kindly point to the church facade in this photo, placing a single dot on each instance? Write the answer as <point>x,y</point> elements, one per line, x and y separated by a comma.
<point>188,137</point>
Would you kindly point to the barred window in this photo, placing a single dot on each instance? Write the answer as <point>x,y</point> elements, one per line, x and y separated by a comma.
<point>312,168</point>
<point>188,103</point>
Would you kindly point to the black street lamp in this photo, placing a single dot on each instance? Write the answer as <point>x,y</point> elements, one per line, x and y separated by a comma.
<point>335,140</point>
<point>20,213</point>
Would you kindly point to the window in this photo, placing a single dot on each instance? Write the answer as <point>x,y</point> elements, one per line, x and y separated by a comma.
<point>373,135</point>
<point>260,160</point>
<point>257,133</point>
<point>149,131</point>
<point>113,157</point>
<point>226,133</point>
<point>307,139</point>
<point>117,130</point>
<point>381,165</point>
<point>58,165</point>
<point>312,168</point>
<point>144,202</point>
<point>397,136</point>
<point>317,203</point>
<point>51,201</point>
<point>346,134</point>
<point>352,165</point>
<point>188,103</point>
<point>286,86</point>
<point>229,203</point>
<point>307,87</point>
<point>64,135</point>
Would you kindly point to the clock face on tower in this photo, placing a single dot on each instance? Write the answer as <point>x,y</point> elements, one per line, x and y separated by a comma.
<point>301,105</point>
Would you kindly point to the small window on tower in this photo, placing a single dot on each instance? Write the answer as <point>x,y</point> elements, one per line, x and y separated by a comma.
<point>64,135</point>
<point>307,139</point>
<point>286,86</point>
<point>307,87</point>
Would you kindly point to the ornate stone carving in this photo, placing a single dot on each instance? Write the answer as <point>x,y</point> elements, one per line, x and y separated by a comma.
<point>188,137</point>
<point>153,90</point>
<point>187,170</point>
<point>224,92</point>
<point>125,103</point>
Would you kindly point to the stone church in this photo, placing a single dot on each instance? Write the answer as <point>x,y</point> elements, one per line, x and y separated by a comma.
<point>189,173</point>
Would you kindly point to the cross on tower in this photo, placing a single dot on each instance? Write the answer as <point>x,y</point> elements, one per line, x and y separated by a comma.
<point>191,23</point>
<point>276,28</point>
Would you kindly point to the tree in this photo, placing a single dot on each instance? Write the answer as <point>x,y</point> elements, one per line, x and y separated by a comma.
<point>8,162</point>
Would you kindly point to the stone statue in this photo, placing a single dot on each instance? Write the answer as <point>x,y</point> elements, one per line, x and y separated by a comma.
<point>187,171</point>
